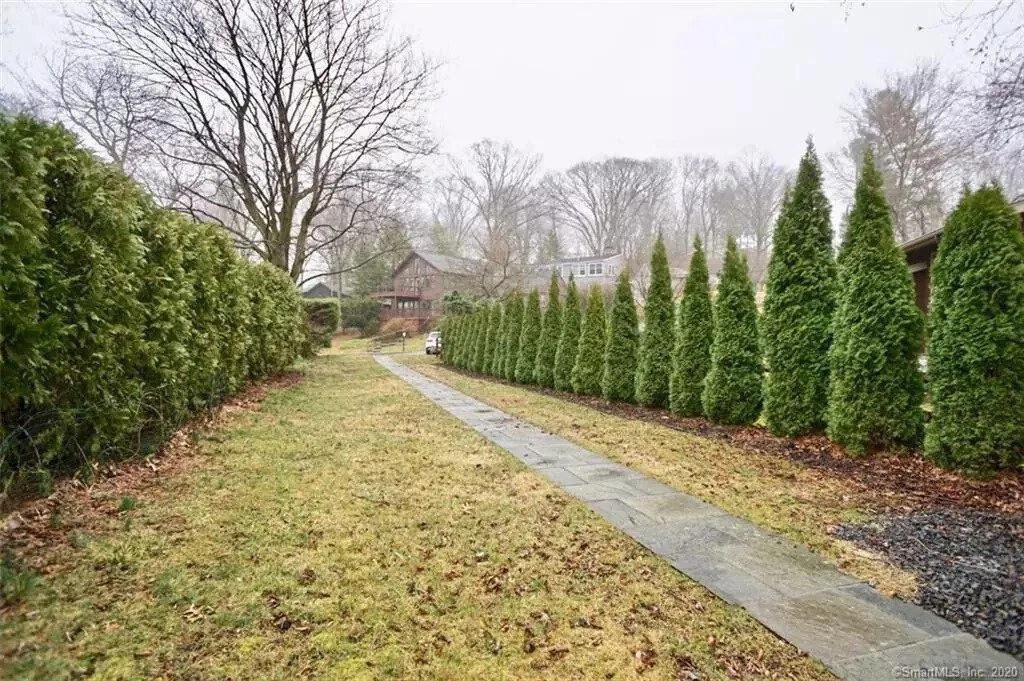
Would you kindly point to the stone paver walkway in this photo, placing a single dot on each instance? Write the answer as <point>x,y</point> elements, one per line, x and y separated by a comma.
<point>858,633</point>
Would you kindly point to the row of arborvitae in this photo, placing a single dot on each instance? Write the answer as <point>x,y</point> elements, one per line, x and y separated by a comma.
<point>835,350</point>
<point>118,319</point>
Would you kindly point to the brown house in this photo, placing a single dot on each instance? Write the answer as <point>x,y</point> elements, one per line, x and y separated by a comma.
<point>920,253</point>
<point>419,283</point>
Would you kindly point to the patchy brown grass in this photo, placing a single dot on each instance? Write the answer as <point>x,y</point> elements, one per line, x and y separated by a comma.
<point>777,492</point>
<point>350,529</point>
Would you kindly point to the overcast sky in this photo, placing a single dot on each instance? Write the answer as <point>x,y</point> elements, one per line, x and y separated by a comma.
<point>580,80</point>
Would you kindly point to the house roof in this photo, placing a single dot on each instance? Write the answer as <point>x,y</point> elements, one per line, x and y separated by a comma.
<point>449,264</point>
<point>589,258</point>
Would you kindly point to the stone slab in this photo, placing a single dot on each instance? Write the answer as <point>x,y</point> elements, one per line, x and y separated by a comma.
<point>857,632</point>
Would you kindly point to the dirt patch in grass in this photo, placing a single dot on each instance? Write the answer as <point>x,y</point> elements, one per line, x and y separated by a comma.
<point>350,529</point>
<point>42,531</point>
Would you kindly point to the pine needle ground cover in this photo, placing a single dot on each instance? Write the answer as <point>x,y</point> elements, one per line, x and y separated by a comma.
<point>349,529</point>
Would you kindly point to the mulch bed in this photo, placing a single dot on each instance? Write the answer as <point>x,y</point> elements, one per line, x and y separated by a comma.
<point>41,531</point>
<point>969,565</point>
<point>884,481</point>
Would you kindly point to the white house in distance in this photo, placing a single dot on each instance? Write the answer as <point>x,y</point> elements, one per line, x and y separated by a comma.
<point>587,270</point>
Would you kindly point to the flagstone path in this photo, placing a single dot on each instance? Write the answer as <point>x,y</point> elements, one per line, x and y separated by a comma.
<point>855,631</point>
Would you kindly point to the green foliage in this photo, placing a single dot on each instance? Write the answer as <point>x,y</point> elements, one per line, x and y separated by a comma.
<point>976,345</point>
<point>655,362</point>
<point>498,360</point>
<point>119,318</point>
<point>514,318</point>
<point>528,339</point>
<point>454,302</point>
<point>796,328</point>
<point>875,388</point>
<point>551,331</point>
<point>360,312</point>
<point>589,364</point>
<point>322,318</point>
<point>568,338</point>
<point>480,342</point>
<point>732,388</point>
<point>691,358</point>
<point>491,341</point>
<point>467,339</point>
<point>618,381</point>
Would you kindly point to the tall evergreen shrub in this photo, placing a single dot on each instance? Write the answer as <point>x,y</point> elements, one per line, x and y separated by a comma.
<point>493,320</point>
<point>732,388</point>
<point>976,345</point>
<point>694,332</point>
<point>480,349</point>
<point>618,383</point>
<point>655,362</point>
<point>568,338</point>
<point>498,358</point>
<point>514,315</point>
<point>875,388</point>
<point>589,365</point>
<point>551,331</point>
<point>528,339</point>
<point>796,327</point>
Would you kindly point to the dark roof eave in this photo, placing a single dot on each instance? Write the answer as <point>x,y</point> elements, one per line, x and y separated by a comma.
<point>926,240</point>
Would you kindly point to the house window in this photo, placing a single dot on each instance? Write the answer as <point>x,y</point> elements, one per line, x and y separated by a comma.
<point>609,270</point>
<point>582,271</point>
<point>596,269</point>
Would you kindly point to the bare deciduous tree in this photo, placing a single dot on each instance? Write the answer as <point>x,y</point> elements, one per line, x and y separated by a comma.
<point>288,107</point>
<point>755,186</point>
<point>602,201</point>
<point>499,182</point>
<point>702,203</point>
<point>912,123</point>
<point>453,217</point>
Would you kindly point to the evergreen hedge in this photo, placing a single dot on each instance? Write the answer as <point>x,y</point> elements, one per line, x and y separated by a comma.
<point>493,320</point>
<point>118,319</point>
<point>976,345</point>
<point>732,388</point>
<point>875,388</point>
<point>551,331</point>
<point>569,337</point>
<point>655,363</point>
<point>528,339</point>
<point>589,365</point>
<point>618,382</point>
<point>514,318</point>
<point>480,343</point>
<point>691,358</point>
<point>796,327</point>
<point>498,359</point>
<point>322,318</point>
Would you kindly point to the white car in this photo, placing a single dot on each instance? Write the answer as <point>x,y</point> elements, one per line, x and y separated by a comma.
<point>433,345</point>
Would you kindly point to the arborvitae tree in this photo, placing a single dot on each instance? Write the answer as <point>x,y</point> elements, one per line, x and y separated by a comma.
<point>451,344</point>
<point>544,367</point>
<point>493,319</point>
<point>618,383</point>
<point>446,334</point>
<point>514,318</point>
<point>976,346</point>
<point>569,338</point>
<point>528,338</point>
<point>480,351</point>
<point>692,354</point>
<point>589,364</point>
<point>465,340</point>
<point>796,327</point>
<point>875,388</point>
<point>654,371</point>
<point>498,358</point>
<point>732,388</point>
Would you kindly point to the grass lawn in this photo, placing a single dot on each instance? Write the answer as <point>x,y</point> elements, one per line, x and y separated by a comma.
<point>350,529</point>
<point>772,491</point>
